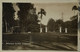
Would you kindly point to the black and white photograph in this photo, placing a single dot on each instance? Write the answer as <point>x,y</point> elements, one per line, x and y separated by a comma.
<point>40,26</point>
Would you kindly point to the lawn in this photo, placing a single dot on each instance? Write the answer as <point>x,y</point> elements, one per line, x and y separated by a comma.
<point>40,37</point>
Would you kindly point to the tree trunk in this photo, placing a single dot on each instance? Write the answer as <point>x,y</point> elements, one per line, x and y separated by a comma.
<point>6,25</point>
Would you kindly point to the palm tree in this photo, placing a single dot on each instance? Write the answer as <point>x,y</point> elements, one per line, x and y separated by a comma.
<point>74,8</point>
<point>75,16</point>
<point>42,12</point>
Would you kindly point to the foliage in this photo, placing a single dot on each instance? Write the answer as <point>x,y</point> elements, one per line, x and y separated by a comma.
<point>74,7</point>
<point>8,15</point>
<point>42,12</point>
<point>72,25</point>
<point>74,21</point>
<point>28,17</point>
<point>51,25</point>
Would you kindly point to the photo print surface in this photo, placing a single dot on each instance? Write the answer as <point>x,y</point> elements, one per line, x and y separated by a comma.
<point>40,26</point>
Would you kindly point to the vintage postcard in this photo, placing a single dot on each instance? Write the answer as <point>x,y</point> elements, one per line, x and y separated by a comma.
<point>40,25</point>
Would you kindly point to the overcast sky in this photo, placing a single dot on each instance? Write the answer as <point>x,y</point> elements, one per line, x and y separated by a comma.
<point>54,9</point>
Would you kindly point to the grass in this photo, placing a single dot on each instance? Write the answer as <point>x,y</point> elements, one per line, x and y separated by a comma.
<point>40,37</point>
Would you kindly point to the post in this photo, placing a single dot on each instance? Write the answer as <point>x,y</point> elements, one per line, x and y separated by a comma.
<point>65,30</point>
<point>60,29</point>
<point>45,28</point>
<point>6,25</point>
<point>40,28</point>
<point>30,44</point>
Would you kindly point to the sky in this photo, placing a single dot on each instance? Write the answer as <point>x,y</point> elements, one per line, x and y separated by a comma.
<point>53,9</point>
<point>16,8</point>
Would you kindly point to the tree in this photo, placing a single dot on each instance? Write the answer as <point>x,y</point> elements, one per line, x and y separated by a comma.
<point>59,23</point>
<point>42,12</point>
<point>51,25</point>
<point>74,19</point>
<point>67,24</point>
<point>23,13</point>
<point>28,17</point>
<point>74,8</point>
<point>8,16</point>
<point>32,23</point>
<point>72,25</point>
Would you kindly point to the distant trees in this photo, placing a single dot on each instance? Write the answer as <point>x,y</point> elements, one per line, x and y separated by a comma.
<point>71,26</point>
<point>7,16</point>
<point>59,24</point>
<point>51,25</point>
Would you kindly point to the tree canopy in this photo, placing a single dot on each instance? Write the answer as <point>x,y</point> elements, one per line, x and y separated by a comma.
<point>51,25</point>
<point>8,15</point>
<point>28,17</point>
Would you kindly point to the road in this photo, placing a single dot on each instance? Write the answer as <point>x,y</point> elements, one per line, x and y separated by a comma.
<point>37,46</point>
